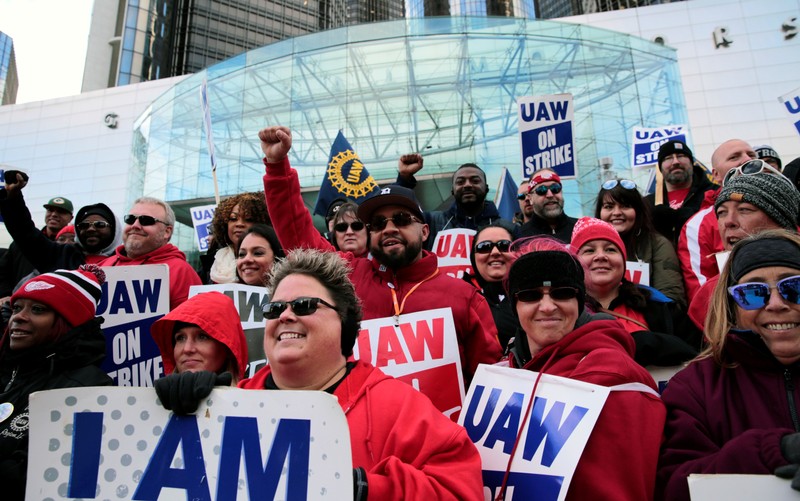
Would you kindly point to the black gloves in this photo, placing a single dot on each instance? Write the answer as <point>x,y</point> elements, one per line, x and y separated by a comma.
<point>790,448</point>
<point>182,393</point>
<point>360,487</point>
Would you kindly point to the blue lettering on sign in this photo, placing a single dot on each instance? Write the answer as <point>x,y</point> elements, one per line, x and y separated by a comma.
<point>539,111</point>
<point>666,132</point>
<point>522,485</point>
<point>202,214</point>
<point>793,108</point>
<point>240,438</point>
<point>547,429</point>
<point>145,294</point>
<point>87,434</point>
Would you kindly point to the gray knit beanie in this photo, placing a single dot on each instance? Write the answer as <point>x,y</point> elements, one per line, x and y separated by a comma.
<point>774,195</point>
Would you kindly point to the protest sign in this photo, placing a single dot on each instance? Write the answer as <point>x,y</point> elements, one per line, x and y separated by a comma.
<point>647,141</point>
<point>637,272</point>
<point>791,102</point>
<point>421,349</point>
<point>546,134</point>
<point>741,488</point>
<point>562,417</point>
<point>120,443</point>
<point>453,248</point>
<point>662,375</point>
<point>133,298</point>
<point>249,301</point>
<point>201,221</point>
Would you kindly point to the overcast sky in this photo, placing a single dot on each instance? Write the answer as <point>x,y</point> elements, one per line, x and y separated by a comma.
<point>50,39</point>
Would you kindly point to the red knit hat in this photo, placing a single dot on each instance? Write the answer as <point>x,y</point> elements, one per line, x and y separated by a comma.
<point>73,294</point>
<point>589,228</point>
<point>70,228</point>
<point>543,177</point>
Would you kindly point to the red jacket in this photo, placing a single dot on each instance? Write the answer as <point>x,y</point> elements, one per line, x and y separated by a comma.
<point>727,420</point>
<point>181,274</point>
<point>475,328</point>
<point>408,448</point>
<point>619,461</point>
<point>216,315</point>
<point>698,243</point>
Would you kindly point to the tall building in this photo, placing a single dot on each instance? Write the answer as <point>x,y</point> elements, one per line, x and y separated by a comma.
<point>8,71</point>
<point>549,9</point>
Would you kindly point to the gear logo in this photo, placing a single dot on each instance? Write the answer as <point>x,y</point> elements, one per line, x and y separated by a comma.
<point>20,423</point>
<point>350,183</point>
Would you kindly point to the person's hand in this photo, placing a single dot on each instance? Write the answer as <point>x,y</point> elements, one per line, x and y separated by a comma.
<point>276,142</point>
<point>14,189</point>
<point>790,448</point>
<point>182,393</point>
<point>410,164</point>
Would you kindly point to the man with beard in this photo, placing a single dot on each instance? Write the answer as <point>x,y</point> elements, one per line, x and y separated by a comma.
<point>547,200</point>
<point>469,209</point>
<point>97,233</point>
<point>683,189</point>
<point>400,277</point>
<point>525,206</point>
<point>145,240</point>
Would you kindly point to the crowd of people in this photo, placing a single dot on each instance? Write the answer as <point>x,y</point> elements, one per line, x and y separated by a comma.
<point>703,274</point>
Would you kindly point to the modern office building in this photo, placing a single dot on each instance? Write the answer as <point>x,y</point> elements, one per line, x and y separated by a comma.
<point>549,9</point>
<point>9,82</point>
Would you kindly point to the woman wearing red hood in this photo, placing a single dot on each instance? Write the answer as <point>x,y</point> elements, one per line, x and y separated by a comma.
<point>202,334</point>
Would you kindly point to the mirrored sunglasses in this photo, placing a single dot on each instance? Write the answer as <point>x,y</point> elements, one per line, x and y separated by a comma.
<point>753,167</point>
<point>143,220</point>
<point>400,219</point>
<point>555,293</point>
<point>342,227</point>
<point>486,246</point>
<point>99,225</point>
<point>541,190</point>
<point>755,295</point>
<point>625,183</point>
<point>301,307</point>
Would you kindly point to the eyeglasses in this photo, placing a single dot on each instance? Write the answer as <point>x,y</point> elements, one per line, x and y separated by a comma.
<point>625,183</point>
<point>301,307</point>
<point>143,220</point>
<point>541,190</point>
<point>755,295</point>
<point>342,227</point>
<point>98,225</point>
<point>400,219</point>
<point>486,246</point>
<point>753,167</point>
<point>555,293</point>
<point>522,196</point>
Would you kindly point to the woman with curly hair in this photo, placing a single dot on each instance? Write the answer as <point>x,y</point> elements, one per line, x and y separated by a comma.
<point>233,217</point>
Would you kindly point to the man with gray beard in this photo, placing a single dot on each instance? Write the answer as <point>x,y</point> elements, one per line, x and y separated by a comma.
<point>547,199</point>
<point>683,189</point>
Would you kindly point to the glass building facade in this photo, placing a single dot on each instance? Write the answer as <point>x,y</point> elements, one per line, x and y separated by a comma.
<point>9,82</point>
<point>446,87</point>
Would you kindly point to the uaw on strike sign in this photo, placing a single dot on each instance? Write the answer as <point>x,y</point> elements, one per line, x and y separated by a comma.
<point>563,415</point>
<point>421,349</point>
<point>453,248</point>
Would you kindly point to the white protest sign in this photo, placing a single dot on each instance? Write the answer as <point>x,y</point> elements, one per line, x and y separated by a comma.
<point>562,417</point>
<point>421,349</point>
<point>791,102</point>
<point>249,301</point>
<point>662,375</point>
<point>453,248</point>
<point>119,443</point>
<point>648,140</point>
<point>201,221</point>
<point>638,272</point>
<point>741,488</point>
<point>721,258</point>
<point>546,134</point>
<point>133,298</point>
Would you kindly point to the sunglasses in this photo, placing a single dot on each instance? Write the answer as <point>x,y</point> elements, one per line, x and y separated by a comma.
<point>99,225</point>
<point>143,220</point>
<point>342,227</point>
<point>400,219</point>
<point>755,295</point>
<point>625,183</point>
<point>522,196</point>
<point>753,167</point>
<point>555,293</point>
<point>301,307</point>
<point>541,190</point>
<point>486,246</point>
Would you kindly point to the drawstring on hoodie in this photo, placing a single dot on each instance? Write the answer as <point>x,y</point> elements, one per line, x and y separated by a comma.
<point>501,495</point>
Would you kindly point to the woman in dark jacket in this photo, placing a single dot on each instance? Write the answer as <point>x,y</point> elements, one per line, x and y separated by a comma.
<point>52,341</point>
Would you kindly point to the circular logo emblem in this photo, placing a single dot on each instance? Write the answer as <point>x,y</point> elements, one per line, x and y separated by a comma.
<point>349,184</point>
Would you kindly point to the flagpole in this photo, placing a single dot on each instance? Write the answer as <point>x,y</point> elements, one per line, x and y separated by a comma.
<point>500,184</point>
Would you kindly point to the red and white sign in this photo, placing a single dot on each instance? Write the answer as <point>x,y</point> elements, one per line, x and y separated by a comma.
<point>421,349</point>
<point>638,272</point>
<point>453,248</point>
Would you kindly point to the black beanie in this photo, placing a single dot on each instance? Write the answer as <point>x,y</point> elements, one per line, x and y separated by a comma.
<point>546,268</point>
<point>672,147</point>
<point>101,210</point>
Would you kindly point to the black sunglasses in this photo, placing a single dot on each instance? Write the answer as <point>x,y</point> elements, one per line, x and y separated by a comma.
<point>143,220</point>
<point>486,246</point>
<point>555,293</point>
<point>85,225</point>
<point>541,190</point>
<point>522,196</point>
<point>400,219</point>
<point>342,227</point>
<point>301,307</point>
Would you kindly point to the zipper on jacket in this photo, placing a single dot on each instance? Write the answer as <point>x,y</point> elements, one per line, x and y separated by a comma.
<point>787,376</point>
<point>11,381</point>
